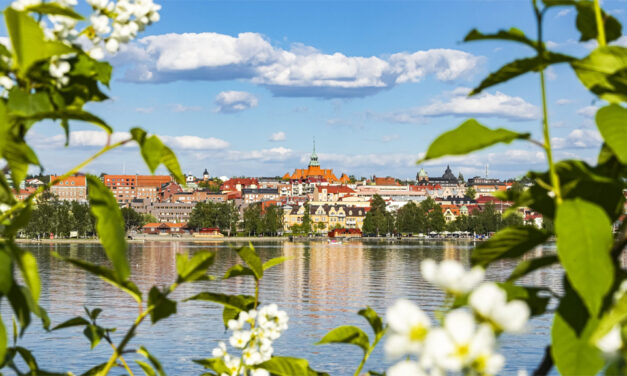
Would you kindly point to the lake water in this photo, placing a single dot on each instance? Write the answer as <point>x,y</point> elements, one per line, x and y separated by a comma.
<point>322,287</point>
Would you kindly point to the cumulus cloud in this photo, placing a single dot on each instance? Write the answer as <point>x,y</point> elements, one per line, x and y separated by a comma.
<point>564,12</point>
<point>235,101</point>
<point>299,71</point>
<point>177,107</point>
<point>564,101</point>
<point>588,111</point>
<point>578,139</point>
<point>264,155</point>
<point>100,138</point>
<point>457,103</point>
<point>145,110</point>
<point>278,136</point>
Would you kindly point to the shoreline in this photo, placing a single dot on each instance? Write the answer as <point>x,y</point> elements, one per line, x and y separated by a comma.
<point>190,239</point>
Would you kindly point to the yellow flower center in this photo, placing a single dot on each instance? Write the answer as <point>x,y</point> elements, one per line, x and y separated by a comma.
<point>462,351</point>
<point>417,332</point>
<point>480,363</point>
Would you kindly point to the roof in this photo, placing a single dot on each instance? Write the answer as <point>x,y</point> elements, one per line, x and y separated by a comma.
<point>76,181</point>
<point>334,189</point>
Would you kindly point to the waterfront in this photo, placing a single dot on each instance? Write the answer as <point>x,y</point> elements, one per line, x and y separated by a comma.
<point>322,287</point>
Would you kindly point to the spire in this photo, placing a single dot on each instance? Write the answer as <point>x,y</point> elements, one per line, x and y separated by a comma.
<point>313,161</point>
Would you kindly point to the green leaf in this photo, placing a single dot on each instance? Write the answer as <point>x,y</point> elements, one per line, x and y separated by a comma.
<point>153,360</point>
<point>6,272</point>
<point>511,242</point>
<point>527,266</point>
<point>20,306</point>
<point>615,316</point>
<point>229,314</point>
<point>94,334</point>
<point>54,9</point>
<point>106,275</point>
<point>584,240</point>
<point>148,371</point>
<point>602,72</point>
<point>250,257</point>
<point>23,103</point>
<point>519,67</point>
<point>347,334</point>
<point>285,366</point>
<point>163,307</point>
<point>109,225</point>
<point>276,261</point>
<point>3,341</point>
<point>238,302</point>
<point>587,25</point>
<point>611,123</point>
<point>95,370</point>
<point>193,269</point>
<point>373,319</point>
<point>27,41</point>
<point>76,321</point>
<point>28,266</point>
<point>570,346</point>
<point>216,364</point>
<point>155,152</point>
<point>238,271</point>
<point>71,114</point>
<point>468,137</point>
<point>513,34</point>
<point>89,67</point>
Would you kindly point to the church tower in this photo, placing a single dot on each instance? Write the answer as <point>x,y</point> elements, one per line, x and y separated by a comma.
<point>313,161</point>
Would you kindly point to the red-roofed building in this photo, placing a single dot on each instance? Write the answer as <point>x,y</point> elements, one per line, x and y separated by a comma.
<point>165,228</point>
<point>385,181</point>
<point>73,188</point>
<point>345,233</point>
<point>237,184</point>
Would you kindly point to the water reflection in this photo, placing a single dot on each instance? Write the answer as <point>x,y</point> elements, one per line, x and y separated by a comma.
<point>321,287</point>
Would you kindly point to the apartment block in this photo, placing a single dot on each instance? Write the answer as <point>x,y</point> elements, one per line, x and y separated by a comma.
<point>74,188</point>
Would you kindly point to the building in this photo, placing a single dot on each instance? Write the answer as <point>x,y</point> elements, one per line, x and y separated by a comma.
<point>237,184</point>
<point>73,188</point>
<point>331,193</point>
<point>165,228</point>
<point>314,171</point>
<point>326,217</point>
<point>345,233</point>
<point>250,195</point>
<point>447,179</point>
<point>172,212</point>
<point>149,186</point>
<point>122,186</point>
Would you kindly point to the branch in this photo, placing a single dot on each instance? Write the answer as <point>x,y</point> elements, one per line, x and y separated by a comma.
<point>547,363</point>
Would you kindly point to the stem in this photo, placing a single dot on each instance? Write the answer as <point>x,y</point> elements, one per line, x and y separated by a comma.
<point>256,293</point>
<point>77,168</point>
<point>128,369</point>
<point>370,349</point>
<point>555,181</point>
<point>600,24</point>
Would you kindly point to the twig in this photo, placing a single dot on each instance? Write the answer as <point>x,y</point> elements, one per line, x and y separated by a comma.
<point>547,363</point>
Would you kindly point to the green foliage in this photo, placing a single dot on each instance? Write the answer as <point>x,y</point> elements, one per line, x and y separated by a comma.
<point>132,219</point>
<point>527,266</point>
<point>347,334</point>
<point>611,123</point>
<point>194,268</point>
<point>223,215</point>
<point>586,23</point>
<point>156,153</point>
<point>604,72</point>
<point>378,220</point>
<point>109,225</point>
<point>583,247</point>
<point>512,242</point>
<point>162,307</point>
<point>470,193</point>
<point>468,137</point>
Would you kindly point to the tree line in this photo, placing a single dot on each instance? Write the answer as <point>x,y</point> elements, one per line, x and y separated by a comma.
<point>427,217</point>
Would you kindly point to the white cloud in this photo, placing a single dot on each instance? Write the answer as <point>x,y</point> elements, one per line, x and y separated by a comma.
<point>578,139</point>
<point>390,137</point>
<point>588,111</point>
<point>564,12</point>
<point>100,138</point>
<point>278,136</point>
<point>550,44</point>
<point>194,142</point>
<point>564,101</point>
<point>177,107</point>
<point>145,110</point>
<point>622,41</point>
<point>235,101</point>
<point>265,155</point>
<point>298,71</point>
<point>456,103</point>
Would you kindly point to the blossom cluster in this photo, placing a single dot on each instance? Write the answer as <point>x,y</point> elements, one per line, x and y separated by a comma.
<point>466,339</point>
<point>111,24</point>
<point>253,334</point>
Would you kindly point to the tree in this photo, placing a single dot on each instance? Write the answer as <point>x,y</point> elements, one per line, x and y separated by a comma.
<point>378,220</point>
<point>306,225</point>
<point>320,226</point>
<point>471,193</point>
<point>272,220</point>
<point>149,218</point>
<point>434,216</point>
<point>252,219</point>
<point>410,218</point>
<point>222,215</point>
<point>460,178</point>
<point>132,219</point>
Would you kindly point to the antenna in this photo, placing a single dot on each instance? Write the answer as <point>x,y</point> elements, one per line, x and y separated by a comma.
<point>486,170</point>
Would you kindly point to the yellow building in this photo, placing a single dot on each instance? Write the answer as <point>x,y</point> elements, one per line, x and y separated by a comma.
<point>330,216</point>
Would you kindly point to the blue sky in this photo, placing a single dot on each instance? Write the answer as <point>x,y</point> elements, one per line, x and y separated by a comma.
<point>242,88</point>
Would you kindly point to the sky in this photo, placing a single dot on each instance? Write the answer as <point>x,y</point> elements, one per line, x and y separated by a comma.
<point>242,88</point>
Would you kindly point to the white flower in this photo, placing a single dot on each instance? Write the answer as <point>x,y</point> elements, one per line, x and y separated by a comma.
<point>259,372</point>
<point>98,4</point>
<point>612,341</point>
<point>233,364</point>
<point>461,344</point>
<point>406,368</point>
<point>251,356</point>
<point>4,207</point>
<point>409,326</point>
<point>6,82</point>
<point>490,302</point>
<point>20,5</point>
<point>219,351</point>
<point>273,320</point>
<point>450,276</point>
<point>58,68</point>
<point>112,45</point>
<point>100,22</point>
<point>96,53</point>
<point>240,338</point>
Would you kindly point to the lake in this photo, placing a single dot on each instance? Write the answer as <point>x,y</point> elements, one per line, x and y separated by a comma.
<point>321,287</point>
